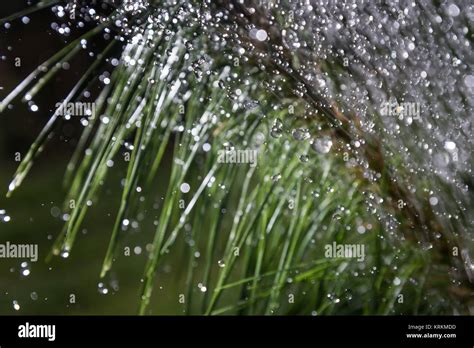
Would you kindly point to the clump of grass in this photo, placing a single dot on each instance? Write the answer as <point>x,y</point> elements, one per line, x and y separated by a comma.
<point>260,231</point>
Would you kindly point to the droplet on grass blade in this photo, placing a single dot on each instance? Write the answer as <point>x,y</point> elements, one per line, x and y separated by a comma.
<point>322,145</point>
<point>304,158</point>
<point>276,177</point>
<point>300,134</point>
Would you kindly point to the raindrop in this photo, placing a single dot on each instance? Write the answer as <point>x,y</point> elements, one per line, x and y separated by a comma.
<point>300,134</point>
<point>185,188</point>
<point>426,246</point>
<point>16,306</point>
<point>277,129</point>
<point>304,158</point>
<point>453,10</point>
<point>276,132</point>
<point>469,81</point>
<point>221,263</point>
<point>450,145</point>
<point>206,147</point>
<point>261,35</point>
<point>322,145</point>
<point>102,289</point>
<point>276,177</point>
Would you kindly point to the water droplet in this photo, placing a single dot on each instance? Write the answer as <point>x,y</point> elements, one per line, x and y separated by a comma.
<point>322,145</point>
<point>450,145</point>
<point>300,134</point>
<point>276,177</point>
<point>277,129</point>
<point>202,287</point>
<point>229,146</point>
<point>34,296</point>
<point>304,158</point>
<point>206,147</point>
<point>185,188</point>
<point>333,298</point>
<point>261,35</point>
<point>453,10</point>
<point>276,132</point>
<point>433,200</point>
<point>16,305</point>
<point>426,246</point>
<point>221,263</point>
<point>469,81</point>
<point>397,281</point>
<point>102,289</point>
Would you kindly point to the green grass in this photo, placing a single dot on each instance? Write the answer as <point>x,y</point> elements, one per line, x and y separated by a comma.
<point>243,241</point>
